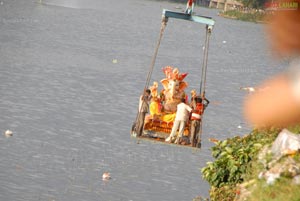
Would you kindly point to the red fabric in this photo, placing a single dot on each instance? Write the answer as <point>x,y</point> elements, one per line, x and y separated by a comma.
<point>198,110</point>
<point>190,2</point>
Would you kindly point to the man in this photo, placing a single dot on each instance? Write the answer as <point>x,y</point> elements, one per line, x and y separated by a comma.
<point>196,118</point>
<point>190,7</point>
<point>182,115</point>
<point>193,98</point>
<point>143,110</point>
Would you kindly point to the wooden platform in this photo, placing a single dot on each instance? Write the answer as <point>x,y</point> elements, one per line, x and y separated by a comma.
<point>162,141</point>
<point>161,129</point>
<point>157,131</point>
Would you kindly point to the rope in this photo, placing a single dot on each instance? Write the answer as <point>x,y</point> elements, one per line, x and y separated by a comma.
<point>162,29</point>
<point>203,79</point>
<point>204,64</point>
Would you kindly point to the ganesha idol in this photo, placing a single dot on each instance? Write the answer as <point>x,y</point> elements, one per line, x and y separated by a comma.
<point>173,90</point>
<point>163,106</point>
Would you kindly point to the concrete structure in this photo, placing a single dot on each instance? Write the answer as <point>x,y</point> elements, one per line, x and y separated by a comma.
<point>225,4</point>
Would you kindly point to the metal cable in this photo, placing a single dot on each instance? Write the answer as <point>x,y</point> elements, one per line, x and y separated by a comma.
<point>162,28</point>
<point>204,64</point>
<point>203,79</point>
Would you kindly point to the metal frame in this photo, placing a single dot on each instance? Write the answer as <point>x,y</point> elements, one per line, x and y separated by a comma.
<point>209,22</point>
<point>194,18</point>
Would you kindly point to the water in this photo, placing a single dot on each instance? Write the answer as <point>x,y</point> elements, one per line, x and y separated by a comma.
<point>71,107</point>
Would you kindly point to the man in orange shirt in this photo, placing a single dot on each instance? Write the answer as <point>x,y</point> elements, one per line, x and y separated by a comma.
<point>196,118</point>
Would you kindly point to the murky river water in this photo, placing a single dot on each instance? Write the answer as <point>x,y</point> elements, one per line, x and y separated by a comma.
<point>71,108</point>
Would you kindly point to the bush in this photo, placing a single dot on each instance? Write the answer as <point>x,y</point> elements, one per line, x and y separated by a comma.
<point>254,16</point>
<point>233,161</point>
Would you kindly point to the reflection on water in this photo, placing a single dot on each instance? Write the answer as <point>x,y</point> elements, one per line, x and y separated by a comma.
<point>67,3</point>
<point>78,4</point>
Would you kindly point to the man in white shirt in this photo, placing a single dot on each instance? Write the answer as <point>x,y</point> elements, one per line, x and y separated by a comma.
<point>182,115</point>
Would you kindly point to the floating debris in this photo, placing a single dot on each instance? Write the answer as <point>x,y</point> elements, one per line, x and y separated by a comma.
<point>248,89</point>
<point>114,61</point>
<point>224,41</point>
<point>8,133</point>
<point>239,126</point>
<point>213,140</point>
<point>106,176</point>
<point>253,89</point>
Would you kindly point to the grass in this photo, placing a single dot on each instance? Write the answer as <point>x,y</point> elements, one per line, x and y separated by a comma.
<point>282,189</point>
<point>245,16</point>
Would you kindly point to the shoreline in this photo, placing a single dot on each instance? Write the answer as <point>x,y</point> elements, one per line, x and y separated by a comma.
<point>247,17</point>
<point>242,164</point>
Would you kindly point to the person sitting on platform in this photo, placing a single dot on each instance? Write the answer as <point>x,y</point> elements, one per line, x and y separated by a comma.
<point>155,109</point>
<point>153,89</point>
<point>182,115</point>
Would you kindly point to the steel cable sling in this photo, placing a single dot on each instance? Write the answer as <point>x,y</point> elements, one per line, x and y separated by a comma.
<point>162,28</point>
<point>204,64</point>
<point>203,78</point>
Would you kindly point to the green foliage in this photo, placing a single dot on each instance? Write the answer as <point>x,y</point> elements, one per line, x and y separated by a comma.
<point>245,16</point>
<point>236,161</point>
<point>225,193</point>
<point>283,189</point>
<point>297,157</point>
<point>253,3</point>
<point>233,157</point>
<point>294,129</point>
